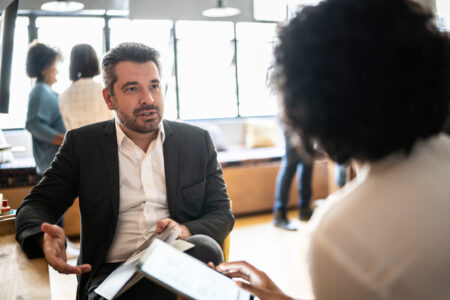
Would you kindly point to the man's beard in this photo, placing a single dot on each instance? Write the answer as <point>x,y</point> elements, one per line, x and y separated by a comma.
<point>130,121</point>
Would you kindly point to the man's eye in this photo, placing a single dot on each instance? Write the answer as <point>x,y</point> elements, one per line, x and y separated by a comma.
<point>154,86</point>
<point>132,89</point>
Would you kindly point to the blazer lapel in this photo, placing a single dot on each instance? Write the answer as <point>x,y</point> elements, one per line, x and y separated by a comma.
<point>171,150</point>
<point>110,155</point>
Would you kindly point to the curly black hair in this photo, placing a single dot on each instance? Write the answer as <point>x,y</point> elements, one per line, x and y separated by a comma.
<point>363,78</point>
<point>39,58</point>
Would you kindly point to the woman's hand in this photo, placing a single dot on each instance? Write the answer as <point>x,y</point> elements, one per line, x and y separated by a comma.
<point>257,282</point>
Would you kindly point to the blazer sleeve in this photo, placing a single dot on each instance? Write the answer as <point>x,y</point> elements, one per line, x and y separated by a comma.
<point>217,220</point>
<point>48,200</point>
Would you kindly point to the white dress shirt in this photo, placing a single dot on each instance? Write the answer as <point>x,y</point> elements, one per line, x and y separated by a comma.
<point>143,197</point>
<point>82,104</point>
<point>387,234</point>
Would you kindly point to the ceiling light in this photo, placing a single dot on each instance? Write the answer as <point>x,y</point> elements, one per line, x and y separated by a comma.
<point>221,11</point>
<point>62,6</point>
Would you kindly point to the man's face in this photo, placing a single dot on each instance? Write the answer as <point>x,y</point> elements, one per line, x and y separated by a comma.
<point>137,98</point>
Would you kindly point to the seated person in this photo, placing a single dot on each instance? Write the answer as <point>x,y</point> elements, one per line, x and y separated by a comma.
<point>134,175</point>
<point>369,81</point>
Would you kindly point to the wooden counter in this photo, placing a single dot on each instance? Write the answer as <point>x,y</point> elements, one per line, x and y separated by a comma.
<point>21,278</point>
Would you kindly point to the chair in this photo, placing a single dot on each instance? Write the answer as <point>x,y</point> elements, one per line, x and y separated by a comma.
<point>226,248</point>
<point>226,244</point>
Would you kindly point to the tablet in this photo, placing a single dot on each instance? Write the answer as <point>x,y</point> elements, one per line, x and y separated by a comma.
<point>188,276</point>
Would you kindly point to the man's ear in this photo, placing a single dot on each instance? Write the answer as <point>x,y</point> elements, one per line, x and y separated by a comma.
<point>108,99</point>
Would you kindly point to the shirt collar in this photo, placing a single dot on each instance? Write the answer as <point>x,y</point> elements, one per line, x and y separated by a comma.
<point>121,135</point>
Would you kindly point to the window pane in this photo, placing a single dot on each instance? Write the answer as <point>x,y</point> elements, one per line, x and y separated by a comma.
<point>207,84</point>
<point>66,32</point>
<point>156,34</point>
<point>20,83</point>
<point>443,12</point>
<point>269,10</point>
<point>254,57</point>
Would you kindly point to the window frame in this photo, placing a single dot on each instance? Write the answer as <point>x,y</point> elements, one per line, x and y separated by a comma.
<point>33,33</point>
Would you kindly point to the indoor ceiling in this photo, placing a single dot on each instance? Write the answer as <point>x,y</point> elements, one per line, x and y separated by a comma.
<point>154,9</point>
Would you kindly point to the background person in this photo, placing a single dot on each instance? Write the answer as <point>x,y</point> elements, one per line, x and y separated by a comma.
<point>44,120</point>
<point>82,103</point>
<point>384,68</point>
<point>340,174</point>
<point>292,163</point>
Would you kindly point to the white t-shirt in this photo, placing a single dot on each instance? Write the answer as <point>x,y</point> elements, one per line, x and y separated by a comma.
<point>82,104</point>
<point>386,235</point>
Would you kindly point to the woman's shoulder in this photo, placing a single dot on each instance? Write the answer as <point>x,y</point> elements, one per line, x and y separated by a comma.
<point>41,91</point>
<point>88,82</point>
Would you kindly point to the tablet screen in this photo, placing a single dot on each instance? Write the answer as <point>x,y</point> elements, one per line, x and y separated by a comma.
<point>186,275</point>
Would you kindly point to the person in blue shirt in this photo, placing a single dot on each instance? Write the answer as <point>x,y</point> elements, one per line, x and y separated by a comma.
<point>44,120</point>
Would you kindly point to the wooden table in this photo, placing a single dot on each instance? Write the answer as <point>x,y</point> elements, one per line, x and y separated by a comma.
<point>21,278</point>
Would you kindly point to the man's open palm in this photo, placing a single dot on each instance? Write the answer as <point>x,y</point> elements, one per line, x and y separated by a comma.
<point>53,246</point>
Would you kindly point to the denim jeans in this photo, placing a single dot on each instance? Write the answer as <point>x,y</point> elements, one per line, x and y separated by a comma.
<point>340,174</point>
<point>292,163</point>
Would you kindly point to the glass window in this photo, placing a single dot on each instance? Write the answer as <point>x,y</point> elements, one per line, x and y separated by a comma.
<point>268,10</point>
<point>20,83</point>
<point>64,33</point>
<point>254,57</point>
<point>443,14</point>
<point>206,71</point>
<point>156,34</point>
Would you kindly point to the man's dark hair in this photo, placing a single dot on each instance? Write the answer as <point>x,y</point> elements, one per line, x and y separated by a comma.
<point>363,78</point>
<point>83,62</point>
<point>39,58</point>
<point>134,52</point>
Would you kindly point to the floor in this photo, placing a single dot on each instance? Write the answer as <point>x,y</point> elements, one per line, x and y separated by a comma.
<point>279,253</point>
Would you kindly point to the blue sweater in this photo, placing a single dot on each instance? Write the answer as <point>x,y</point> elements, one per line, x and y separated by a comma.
<point>44,122</point>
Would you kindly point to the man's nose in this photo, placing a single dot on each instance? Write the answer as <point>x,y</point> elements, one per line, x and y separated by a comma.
<point>147,97</point>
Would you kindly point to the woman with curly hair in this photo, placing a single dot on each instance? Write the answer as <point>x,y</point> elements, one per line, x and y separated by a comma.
<point>44,120</point>
<point>368,80</point>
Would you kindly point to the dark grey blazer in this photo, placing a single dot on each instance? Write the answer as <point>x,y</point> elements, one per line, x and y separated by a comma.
<point>87,166</point>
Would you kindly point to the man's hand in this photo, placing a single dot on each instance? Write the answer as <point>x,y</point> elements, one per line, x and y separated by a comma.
<point>53,246</point>
<point>165,223</point>
<point>259,284</point>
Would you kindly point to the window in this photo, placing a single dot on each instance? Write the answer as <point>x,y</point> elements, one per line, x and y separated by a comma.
<point>20,83</point>
<point>156,34</point>
<point>220,67</point>
<point>443,14</point>
<point>206,70</point>
<point>64,33</point>
<point>268,10</point>
<point>254,57</point>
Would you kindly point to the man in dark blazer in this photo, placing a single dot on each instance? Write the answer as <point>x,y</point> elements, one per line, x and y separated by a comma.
<point>89,165</point>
